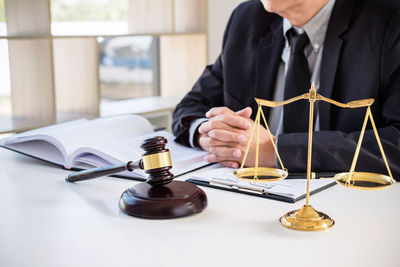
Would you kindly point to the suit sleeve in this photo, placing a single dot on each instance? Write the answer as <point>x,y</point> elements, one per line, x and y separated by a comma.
<point>334,150</point>
<point>205,94</point>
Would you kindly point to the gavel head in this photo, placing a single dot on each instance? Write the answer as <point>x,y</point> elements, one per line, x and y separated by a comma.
<point>156,161</point>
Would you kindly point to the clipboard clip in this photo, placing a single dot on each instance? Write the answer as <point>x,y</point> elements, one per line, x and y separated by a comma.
<point>233,185</point>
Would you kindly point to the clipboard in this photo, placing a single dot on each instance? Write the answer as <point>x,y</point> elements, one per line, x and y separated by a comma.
<point>226,186</point>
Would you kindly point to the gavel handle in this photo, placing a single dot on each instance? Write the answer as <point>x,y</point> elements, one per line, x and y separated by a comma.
<point>102,171</point>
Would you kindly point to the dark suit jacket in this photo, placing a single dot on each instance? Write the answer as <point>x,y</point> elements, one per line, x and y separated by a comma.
<point>361,59</point>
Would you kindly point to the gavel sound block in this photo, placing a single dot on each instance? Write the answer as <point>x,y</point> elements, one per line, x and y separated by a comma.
<point>159,197</point>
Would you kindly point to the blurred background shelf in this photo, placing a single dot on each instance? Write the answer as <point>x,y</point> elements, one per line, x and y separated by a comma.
<point>9,124</point>
<point>68,59</point>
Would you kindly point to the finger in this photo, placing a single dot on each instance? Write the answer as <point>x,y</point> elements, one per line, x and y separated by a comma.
<point>221,153</point>
<point>216,123</point>
<point>246,112</point>
<point>213,124</point>
<point>218,110</point>
<point>205,142</point>
<point>234,120</point>
<point>227,163</point>
<point>226,136</point>
<point>230,164</point>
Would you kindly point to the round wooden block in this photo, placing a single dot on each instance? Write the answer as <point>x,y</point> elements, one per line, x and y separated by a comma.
<point>172,200</point>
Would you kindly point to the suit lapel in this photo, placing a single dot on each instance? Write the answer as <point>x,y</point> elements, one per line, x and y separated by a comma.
<point>338,24</point>
<point>269,53</point>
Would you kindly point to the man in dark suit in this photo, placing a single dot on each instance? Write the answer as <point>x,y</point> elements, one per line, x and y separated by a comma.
<point>272,50</point>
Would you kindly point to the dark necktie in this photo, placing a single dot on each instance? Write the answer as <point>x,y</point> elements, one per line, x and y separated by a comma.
<point>297,82</point>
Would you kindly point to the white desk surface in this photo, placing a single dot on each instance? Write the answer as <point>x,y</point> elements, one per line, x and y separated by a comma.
<point>45,221</point>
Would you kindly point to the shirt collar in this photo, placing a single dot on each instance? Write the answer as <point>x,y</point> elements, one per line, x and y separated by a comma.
<point>315,28</point>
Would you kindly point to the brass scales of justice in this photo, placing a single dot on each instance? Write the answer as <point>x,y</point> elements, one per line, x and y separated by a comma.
<point>307,218</point>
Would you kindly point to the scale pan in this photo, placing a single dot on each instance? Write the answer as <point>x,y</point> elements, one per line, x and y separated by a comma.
<point>263,174</point>
<point>364,180</point>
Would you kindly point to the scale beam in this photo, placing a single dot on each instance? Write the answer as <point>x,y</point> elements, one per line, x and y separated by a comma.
<point>352,104</point>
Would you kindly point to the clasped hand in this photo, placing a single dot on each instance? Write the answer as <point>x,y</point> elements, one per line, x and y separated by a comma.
<point>226,134</point>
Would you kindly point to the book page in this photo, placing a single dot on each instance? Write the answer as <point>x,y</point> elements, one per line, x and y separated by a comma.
<point>40,149</point>
<point>41,143</point>
<point>291,188</point>
<point>70,136</point>
<point>184,159</point>
<point>103,130</point>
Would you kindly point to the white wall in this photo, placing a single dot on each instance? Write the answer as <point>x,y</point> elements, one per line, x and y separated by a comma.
<point>218,15</point>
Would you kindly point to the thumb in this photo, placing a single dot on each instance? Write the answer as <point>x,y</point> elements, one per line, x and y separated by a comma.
<point>246,112</point>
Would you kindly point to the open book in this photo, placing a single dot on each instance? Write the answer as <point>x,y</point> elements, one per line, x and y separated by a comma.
<point>83,144</point>
<point>288,190</point>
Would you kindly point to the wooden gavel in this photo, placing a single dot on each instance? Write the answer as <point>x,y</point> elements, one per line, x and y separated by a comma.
<point>156,162</point>
<point>159,197</point>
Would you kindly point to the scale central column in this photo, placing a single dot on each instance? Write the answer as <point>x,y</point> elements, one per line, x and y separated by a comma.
<point>306,218</point>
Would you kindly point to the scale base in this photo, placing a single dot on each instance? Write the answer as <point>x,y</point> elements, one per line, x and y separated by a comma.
<point>306,219</point>
<point>176,199</point>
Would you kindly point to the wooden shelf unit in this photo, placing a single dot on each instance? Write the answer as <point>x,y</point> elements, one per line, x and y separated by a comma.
<point>59,74</point>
